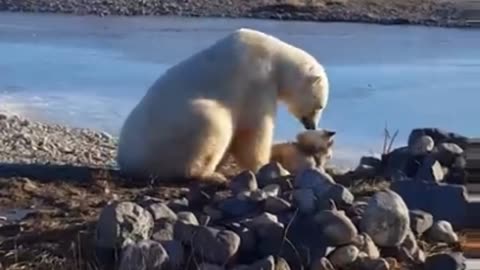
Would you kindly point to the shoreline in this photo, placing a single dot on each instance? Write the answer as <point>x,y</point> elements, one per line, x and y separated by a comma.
<point>412,12</point>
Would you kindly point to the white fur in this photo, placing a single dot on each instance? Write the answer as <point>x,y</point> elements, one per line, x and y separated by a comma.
<point>222,99</point>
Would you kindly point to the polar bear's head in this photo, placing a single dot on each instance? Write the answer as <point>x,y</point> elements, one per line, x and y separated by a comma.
<point>305,89</point>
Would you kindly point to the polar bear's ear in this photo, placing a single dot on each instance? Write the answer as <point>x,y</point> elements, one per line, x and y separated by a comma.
<point>313,79</point>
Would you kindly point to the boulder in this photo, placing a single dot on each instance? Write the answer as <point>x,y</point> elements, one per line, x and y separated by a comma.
<point>245,181</point>
<point>122,222</point>
<point>386,219</point>
<point>420,221</point>
<point>144,255</point>
<point>336,227</point>
<point>446,261</point>
<point>442,231</point>
<point>273,173</point>
<point>343,256</point>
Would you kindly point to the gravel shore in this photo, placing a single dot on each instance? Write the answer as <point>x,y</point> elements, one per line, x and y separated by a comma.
<point>423,12</point>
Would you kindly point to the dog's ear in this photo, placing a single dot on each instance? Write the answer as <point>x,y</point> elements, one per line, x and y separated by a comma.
<point>330,133</point>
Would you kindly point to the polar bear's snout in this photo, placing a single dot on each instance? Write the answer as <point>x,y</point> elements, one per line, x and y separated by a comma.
<point>309,123</point>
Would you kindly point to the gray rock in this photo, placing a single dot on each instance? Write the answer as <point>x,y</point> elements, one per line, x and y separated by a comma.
<point>343,256</point>
<point>322,264</point>
<point>336,226</point>
<point>420,221</point>
<point>438,135</point>
<point>269,233</point>
<point>163,230</point>
<point>254,196</point>
<point>272,173</point>
<point>446,261</point>
<point>371,161</point>
<point>188,218</point>
<point>267,263</point>
<point>213,213</point>
<point>213,245</point>
<point>146,254</point>
<point>410,251</point>
<point>161,211</point>
<point>442,231</point>
<point>397,162</point>
<point>366,263</point>
<point>339,194</point>
<point>120,222</point>
<point>272,190</point>
<point>209,266</point>
<point>245,181</point>
<point>176,254</point>
<point>304,200</point>
<point>386,219</point>
<point>235,207</point>
<point>447,153</point>
<point>178,205</point>
<point>247,236</point>
<point>365,244</point>
<point>422,145</point>
<point>314,179</point>
<point>276,205</point>
<point>430,170</point>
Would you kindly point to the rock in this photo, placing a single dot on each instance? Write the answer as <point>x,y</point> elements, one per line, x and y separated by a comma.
<point>276,205</point>
<point>188,218</point>
<point>373,264</point>
<point>281,264</point>
<point>208,266</point>
<point>373,162</point>
<point>410,250</point>
<point>178,205</point>
<point>198,197</point>
<point>442,231</point>
<point>119,222</point>
<point>247,236</point>
<point>439,136</point>
<point>420,221</point>
<point>340,195</point>
<point>175,254</point>
<point>163,230</point>
<point>212,212</point>
<point>272,190</point>
<point>442,201</point>
<point>269,233</point>
<point>314,179</point>
<point>336,226</point>
<point>234,207</point>
<point>446,261</point>
<point>365,244</point>
<point>273,173</point>
<point>322,264</point>
<point>399,162</point>
<point>343,256</point>
<point>304,200</point>
<point>386,219</point>
<point>161,211</point>
<point>146,254</point>
<point>422,146</point>
<point>267,263</point>
<point>457,176</point>
<point>254,196</point>
<point>430,170</point>
<point>222,244</point>
<point>245,181</point>
<point>447,153</point>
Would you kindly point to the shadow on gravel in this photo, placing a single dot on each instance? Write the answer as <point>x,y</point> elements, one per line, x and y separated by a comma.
<point>50,173</point>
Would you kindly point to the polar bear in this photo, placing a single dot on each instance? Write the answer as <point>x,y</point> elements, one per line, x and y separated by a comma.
<point>313,148</point>
<point>222,100</point>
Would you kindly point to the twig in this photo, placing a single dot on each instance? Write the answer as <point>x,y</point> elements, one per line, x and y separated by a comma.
<point>392,140</point>
<point>285,232</point>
